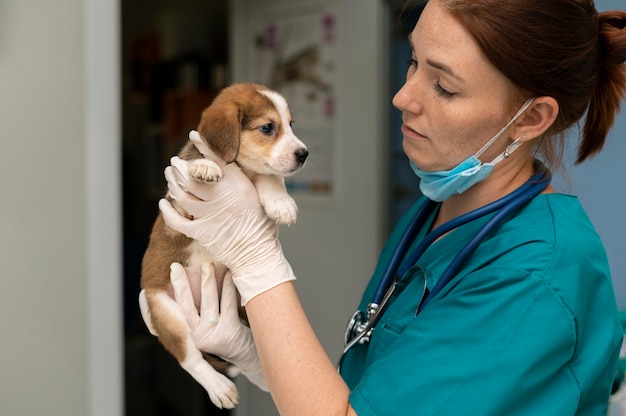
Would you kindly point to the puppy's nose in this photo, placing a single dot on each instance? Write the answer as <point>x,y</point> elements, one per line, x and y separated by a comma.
<point>301,155</point>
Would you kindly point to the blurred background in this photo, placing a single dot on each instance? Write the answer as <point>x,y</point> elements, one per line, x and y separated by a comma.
<point>98,94</point>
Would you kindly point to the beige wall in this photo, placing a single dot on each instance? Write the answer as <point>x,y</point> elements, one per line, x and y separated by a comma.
<point>56,256</point>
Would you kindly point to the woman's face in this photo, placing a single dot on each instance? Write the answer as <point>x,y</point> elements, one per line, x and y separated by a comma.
<point>453,100</point>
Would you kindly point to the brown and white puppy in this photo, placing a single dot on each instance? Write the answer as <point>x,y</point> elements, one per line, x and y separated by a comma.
<point>251,125</point>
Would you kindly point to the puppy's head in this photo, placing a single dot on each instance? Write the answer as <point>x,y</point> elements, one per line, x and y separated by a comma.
<point>251,124</point>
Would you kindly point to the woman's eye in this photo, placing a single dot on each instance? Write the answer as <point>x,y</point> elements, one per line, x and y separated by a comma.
<point>442,91</point>
<point>267,128</point>
<point>412,63</point>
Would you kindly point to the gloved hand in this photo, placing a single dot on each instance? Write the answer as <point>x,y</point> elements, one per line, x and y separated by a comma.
<point>230,223</point>
<point>217,328</point>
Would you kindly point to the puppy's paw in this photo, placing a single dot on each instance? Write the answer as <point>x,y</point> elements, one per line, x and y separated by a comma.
<point>233,371</point>
<point>224,393</point>
<point>282,209</point>
<point>205,170</point>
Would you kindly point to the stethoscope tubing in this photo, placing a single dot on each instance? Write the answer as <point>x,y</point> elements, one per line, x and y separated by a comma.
<point>394,263</point>
<point>531,190</point>
<point>396,267</point>
<point>535,185</point>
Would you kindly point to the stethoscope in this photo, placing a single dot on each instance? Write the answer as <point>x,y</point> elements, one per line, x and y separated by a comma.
<point>362,324</point>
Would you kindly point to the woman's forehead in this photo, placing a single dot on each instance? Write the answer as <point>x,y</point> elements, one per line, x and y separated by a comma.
<point>439,37</point>
<point>442,43</point>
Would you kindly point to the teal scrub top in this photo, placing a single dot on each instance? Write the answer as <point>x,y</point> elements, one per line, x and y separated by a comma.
<point>529,325</point>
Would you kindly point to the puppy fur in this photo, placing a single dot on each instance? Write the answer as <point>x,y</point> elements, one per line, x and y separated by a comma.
<point>251,125</point>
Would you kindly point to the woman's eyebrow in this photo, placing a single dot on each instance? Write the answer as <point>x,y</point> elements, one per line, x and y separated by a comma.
<point>438,65</point>
<point>444,68</point>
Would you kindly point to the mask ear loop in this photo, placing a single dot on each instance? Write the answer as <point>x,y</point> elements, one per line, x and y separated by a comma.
<point>494,138</point>
<point>509,149</point>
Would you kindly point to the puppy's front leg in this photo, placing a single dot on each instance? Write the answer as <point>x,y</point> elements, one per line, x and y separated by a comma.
<point>273,195</point>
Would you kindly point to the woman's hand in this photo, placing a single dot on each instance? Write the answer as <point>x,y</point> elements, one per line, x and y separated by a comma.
<point>217,328</point>
<point>230,223</point>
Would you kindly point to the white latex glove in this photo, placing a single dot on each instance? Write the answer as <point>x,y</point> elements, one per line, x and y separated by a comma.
<point>230,223</point>
<point>217,329</point>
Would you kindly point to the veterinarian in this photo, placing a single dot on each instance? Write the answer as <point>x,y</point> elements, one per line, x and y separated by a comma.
<point>526,323</point>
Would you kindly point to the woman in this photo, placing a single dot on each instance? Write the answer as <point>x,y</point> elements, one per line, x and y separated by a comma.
<point>528,323</point>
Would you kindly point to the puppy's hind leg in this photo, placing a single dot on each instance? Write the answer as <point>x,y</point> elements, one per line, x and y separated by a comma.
<point>221,389</point>
<point>174,333</point>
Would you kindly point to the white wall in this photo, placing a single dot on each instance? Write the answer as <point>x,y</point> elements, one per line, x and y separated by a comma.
<point>103,223</point>
<point>59,303</point>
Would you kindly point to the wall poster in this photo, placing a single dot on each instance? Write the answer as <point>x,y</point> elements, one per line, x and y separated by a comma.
<point>294,52</point>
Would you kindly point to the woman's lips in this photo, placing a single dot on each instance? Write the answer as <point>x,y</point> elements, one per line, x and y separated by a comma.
<point>410,133</point>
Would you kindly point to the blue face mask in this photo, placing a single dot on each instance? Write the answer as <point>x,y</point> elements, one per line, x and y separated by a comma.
<point>441,185</point>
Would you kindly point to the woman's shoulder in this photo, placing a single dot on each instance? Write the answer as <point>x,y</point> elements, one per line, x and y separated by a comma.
<point>550,243</point>
<point>560,220</point>
<point>562,247</point>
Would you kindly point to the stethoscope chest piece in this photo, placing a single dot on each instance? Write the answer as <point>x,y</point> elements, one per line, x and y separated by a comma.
<point>361,325</point>
<point>356,325</point>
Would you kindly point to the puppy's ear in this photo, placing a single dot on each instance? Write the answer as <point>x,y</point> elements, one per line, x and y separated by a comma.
<point>220,126</point>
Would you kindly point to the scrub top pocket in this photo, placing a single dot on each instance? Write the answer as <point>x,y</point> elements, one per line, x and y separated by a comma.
<point>400,311</point>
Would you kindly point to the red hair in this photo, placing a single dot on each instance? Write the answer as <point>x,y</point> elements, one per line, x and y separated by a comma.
<point>564,49</point>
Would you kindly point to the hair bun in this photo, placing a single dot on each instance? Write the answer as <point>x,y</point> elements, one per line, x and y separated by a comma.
<point>613,36</point>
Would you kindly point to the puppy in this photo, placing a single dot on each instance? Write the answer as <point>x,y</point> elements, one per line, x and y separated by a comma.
<point>251,125</point>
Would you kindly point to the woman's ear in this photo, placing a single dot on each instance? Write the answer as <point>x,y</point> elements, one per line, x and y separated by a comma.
<point>537,119</point>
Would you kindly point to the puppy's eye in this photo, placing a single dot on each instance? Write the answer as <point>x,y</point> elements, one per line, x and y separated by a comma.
<point>267,128</point>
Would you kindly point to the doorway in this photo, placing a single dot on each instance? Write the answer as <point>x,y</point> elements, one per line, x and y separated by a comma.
<point>174,59</point>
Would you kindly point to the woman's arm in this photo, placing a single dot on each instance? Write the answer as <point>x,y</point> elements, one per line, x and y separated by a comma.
<point>301,377</point>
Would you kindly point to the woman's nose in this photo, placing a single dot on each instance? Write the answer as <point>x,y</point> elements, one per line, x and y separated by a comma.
<point>407,99</point>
